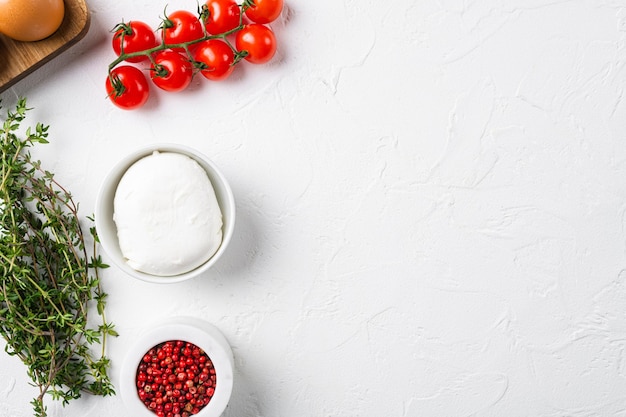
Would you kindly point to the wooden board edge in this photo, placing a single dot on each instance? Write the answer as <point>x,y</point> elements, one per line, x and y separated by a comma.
<point>36,65</point>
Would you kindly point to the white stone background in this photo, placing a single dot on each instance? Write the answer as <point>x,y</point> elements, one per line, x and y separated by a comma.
<point>431,204</point>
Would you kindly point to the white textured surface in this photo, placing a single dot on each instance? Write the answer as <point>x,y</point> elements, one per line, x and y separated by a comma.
<point>431,204</point>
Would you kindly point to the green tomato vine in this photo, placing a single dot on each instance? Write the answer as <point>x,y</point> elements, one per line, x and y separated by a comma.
<point>203,14</point>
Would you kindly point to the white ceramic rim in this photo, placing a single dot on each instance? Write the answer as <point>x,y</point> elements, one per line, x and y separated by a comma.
<point>189,329</point>
<point>107,230</point>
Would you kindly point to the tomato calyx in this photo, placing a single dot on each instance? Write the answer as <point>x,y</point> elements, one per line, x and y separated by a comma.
<point>118,86</point>
<point>122,29</point>
<point>159,70</point>
<point>199,65</point>
<point>246,4</point>
<point>204,14</point>
<point>240,55</point>
<point>166,22</point>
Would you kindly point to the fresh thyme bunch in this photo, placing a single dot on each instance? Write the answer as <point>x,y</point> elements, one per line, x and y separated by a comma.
<point>49,281</point>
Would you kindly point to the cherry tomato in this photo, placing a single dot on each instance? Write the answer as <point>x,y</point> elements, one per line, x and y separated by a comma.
<point>264,11</point>
<point>258,40</point>
<point>216,59</point>
<point>223,15</point>
<point>127,87</point>
<point>171,71</point>
<point>30,20</point>
<point>181,26</point>
<point>132,37</point>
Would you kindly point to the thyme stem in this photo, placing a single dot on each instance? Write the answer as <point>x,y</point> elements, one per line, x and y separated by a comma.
<point>48,277</point>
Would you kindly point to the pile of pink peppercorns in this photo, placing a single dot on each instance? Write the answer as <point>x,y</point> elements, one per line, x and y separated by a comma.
<point>175,379</point>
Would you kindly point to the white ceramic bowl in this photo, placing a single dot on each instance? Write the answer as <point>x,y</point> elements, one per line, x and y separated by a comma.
<point>190,329</point>
<point>107,230</point>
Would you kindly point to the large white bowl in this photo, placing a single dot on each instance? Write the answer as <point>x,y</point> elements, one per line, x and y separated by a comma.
<point>107,230</point>
<point>189,329</point>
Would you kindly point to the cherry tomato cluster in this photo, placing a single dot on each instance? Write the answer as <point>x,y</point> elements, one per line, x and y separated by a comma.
<point>175,379</point>
<point>211,42</point>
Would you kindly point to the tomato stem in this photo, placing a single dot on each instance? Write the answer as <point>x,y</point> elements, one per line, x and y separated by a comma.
<point>166,23</point>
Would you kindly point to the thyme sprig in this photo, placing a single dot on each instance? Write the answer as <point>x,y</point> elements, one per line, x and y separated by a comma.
<point>50,279</point>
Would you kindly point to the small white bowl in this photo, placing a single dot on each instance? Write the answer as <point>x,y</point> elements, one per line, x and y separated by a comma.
<point>107,230</point>
<point>189,329</point>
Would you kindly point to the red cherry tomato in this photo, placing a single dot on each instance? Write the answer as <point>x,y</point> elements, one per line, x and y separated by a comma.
<point>127,87</point>
<point>181,26</point>
<point>223,15</point>
<point>258,40</point>
<point>171,71</point>
<point>216,59</point>
<point>134,36</point>
<point>264,11</point>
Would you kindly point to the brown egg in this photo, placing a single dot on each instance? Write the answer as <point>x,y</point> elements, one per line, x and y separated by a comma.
<point>30,20</point>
